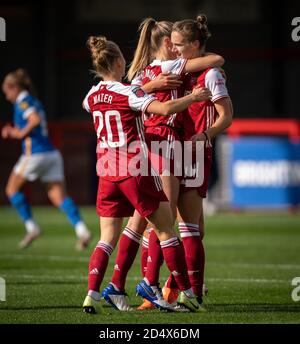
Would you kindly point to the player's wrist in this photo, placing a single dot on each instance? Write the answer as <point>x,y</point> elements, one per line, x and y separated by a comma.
<point>153,86</point>
<point>194,97</point>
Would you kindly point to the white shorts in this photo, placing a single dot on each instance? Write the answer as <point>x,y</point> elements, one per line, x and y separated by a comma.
<point>47,166</point>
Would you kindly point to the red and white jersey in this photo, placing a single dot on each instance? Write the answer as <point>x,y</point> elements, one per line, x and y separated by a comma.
<point>201,115</point>
<point>150,73</point>
<point>116,110</point>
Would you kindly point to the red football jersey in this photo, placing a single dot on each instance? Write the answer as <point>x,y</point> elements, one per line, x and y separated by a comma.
<point>201,115</point>
<point>116,110</point>
<point>151,72</point>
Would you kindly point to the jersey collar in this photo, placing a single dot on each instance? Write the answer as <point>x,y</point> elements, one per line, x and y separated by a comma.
<point>156,62</point>
<point>21,96</point>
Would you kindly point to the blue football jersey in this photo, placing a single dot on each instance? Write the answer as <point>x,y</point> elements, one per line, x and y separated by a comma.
<point>37,141</point>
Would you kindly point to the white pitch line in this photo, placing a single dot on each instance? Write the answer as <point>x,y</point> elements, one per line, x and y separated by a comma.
<point>86,259</point>
<point>11,279</point>
<point>259,265</point>
<point>249,280</point>
<point>45,257</point>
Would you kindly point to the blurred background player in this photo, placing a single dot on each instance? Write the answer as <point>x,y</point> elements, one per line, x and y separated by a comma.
<point>116,110</point>
<point>201,122</point>
<point>39,159</point>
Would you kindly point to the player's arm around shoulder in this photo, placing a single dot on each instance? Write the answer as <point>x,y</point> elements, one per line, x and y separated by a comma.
<point>201,63</point>
<point>164,81</point>
<point>177,105</point>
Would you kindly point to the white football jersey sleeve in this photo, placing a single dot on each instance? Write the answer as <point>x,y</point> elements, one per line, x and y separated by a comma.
<point>173,66</point>
<point>139,100</point>
<point>215,82</point>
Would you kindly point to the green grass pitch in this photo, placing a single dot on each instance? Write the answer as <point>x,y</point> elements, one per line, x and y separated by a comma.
<point>251,261</point>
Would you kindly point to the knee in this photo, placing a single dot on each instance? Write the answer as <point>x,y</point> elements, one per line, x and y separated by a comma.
<point>138,226</point>
<point>56,198</point>
<point>57,203</point>
<point>9,191</point>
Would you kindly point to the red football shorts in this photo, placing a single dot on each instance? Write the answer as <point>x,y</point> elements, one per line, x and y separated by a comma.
<point>164,160</point>
<point>121,198</point>
<point>202,189</point>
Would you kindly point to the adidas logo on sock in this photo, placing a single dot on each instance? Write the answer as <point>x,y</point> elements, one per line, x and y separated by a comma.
<point>116,267</point>
<point>95,271</point>
<point>149,260</point>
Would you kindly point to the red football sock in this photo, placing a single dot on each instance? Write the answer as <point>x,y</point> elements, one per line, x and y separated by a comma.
<point>194,255</point>
<point>127,251</point>
<point>171,283</point>
<point>144,256</point>
<point>98,265</point>
<point>155,259</point>
<point>174,257</point>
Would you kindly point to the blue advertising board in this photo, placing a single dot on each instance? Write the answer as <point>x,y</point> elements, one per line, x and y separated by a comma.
<point>264,172</point>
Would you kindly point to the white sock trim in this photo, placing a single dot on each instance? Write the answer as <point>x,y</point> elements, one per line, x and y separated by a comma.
<point>94,295</point>
<point>108,249</point>
<point>31,226</point>
<point>189,234</point>
<point>132,235</point>
<point>146,280</point>
<point>170,242</point>
<point>187,224</point>
<point>145,242</point>
<point>81,229</point>
<point>188,229</point>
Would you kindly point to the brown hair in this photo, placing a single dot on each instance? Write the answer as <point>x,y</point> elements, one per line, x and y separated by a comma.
<point>21,78</point>
<point>151,35</point>
<point>193,30</point>
<point>103,53</point>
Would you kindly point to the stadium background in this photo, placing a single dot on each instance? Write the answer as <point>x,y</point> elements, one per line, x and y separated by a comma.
<point>48,38</point>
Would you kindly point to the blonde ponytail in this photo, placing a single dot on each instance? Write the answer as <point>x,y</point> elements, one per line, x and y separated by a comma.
<point>151,35</point>
<point>143,53</point>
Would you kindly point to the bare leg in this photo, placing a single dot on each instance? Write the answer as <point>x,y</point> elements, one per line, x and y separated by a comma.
<point>19,202</point>
<point>137,223</point>
<point>57,194</point>
<point>171,189</point>
<point>14,184</point>
<point>162,221</point>
<point>190,206</point>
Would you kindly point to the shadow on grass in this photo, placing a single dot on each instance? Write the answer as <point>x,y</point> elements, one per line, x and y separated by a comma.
<point>45,282</point>
<point>253,307</point>
<point>212,308</point>
<point>36,308</point>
